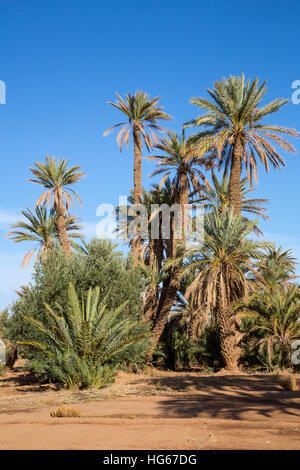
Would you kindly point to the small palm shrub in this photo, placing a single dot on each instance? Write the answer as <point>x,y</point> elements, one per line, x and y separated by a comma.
<point>80,342</point>
<point>273,324</point>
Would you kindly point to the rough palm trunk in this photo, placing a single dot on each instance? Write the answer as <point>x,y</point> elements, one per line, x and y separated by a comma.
<point>151,304</point>
<point>169,298</point>
<point>184,200</point>
<point>158,246</point>
<point>235,199</point>
<point>61,224</point>
<point>168,294</point>
<point>228,339</point>
<point>137,185</point>
<point>228,334</point>
<point>193,326</point>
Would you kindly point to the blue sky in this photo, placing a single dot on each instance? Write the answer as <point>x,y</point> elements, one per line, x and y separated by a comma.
<point>62,60</point>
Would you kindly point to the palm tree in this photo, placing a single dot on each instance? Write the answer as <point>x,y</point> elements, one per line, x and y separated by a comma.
<point>223,262</point>
<point>40,227</point>
<point>276,313</point>
<point>278,267</point>
<point>57,178</point>
<point>217,196</point>
<point>181,159</point>
<point>233,130</point>
<point>143,114</point>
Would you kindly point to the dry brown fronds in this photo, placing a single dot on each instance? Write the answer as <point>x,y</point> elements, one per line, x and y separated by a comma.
<point>65,412</point>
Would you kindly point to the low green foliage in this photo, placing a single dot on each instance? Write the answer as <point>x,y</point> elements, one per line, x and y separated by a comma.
<point>81,340</point>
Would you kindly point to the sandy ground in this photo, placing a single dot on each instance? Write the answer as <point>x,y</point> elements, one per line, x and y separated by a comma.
<point>162,410</point>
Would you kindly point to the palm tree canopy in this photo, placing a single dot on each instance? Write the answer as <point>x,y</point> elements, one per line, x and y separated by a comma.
<point>143,113</point>
<point>223,260</point>
<point>55,176</point>
<point>278,266</point>
<point>40,227</point>
<point>234,113</point>
<point>217,196</point>
<point>276,312</point>
<point>181,156</point>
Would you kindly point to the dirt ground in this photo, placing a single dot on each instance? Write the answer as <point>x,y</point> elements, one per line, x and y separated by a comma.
<point>157,410</point>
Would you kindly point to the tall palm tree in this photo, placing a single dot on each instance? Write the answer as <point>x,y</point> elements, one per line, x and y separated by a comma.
<point>57,178</point>
<point>183,164</point>
<point>143,114</point>
<point>223,262</point>
<point>40,227</point>
<point>234,131</point>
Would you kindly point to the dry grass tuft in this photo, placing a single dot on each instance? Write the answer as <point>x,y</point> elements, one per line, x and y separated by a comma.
<point>289,382</point>
<point>65,412</point>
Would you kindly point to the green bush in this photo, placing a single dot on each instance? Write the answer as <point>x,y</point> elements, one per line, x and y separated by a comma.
<point>80,341</point>
<point>97,264</point>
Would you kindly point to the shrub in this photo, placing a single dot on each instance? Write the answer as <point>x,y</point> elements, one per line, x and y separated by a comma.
<point>65,412</point>
<point>97,264</point>
<point>79,342</point>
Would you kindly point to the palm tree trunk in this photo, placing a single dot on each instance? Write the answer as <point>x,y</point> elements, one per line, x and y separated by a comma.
<point>228,339</point>
<point>137,186</point>
<point>61,224</point>
<point>184,200</point>
<point>193,326</point>
<point>235,200</point>
<point>168,294</point>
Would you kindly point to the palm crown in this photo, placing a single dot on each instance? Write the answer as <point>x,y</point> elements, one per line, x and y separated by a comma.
<point>55,176</point>
<point>234,131</point>
<point>40,227</point>
<point>182,158</point>
<point>142,113</point>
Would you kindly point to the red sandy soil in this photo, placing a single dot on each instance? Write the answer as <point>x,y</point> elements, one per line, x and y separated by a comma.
<point>162,410</point>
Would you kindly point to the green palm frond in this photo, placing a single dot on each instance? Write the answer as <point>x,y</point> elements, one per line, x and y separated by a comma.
<point>40,227</point>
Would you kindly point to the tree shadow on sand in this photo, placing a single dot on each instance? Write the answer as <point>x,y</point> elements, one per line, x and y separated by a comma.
<point>229,397</point>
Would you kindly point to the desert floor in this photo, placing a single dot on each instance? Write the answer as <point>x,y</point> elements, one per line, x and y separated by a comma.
<point>157,410</point>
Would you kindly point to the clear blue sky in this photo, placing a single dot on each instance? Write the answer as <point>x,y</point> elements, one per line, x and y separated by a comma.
<point>62,60</point>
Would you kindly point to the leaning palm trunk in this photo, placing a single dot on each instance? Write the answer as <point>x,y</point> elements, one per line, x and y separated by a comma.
<point>151,304</point>
<point>168,294</point>
<point>235,198</point>
<point>61,224</point>
<point>137,184</point>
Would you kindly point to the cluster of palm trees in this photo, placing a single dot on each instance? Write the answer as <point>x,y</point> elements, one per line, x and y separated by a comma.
<point>222,278</point>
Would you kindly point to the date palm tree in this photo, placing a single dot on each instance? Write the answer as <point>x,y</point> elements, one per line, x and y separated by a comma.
<point>278,267</point>
<point>40,227</point>
<point>233,129</point>
<point>142,116</point>
<point>57,179</point>
<point>223,262</point>
<point>181,162</point>
<point>276,312</point>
